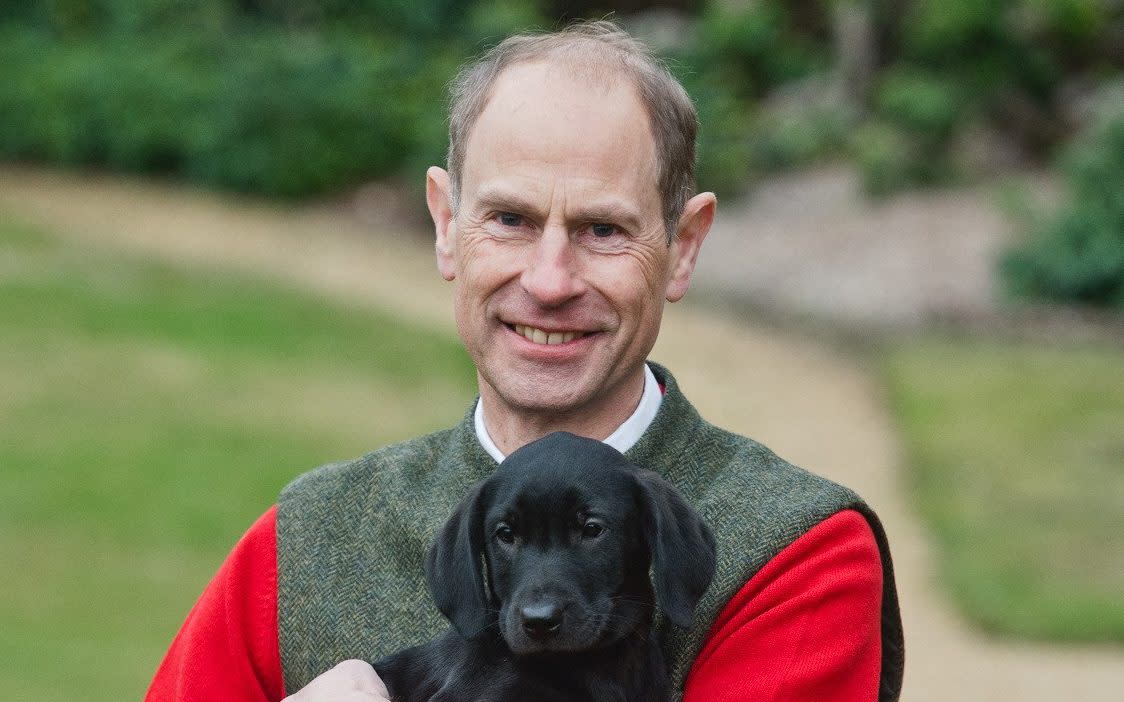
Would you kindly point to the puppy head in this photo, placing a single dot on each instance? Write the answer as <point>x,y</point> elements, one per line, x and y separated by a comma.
<point>567,529</point>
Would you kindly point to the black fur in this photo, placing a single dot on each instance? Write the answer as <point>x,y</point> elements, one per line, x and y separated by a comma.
<point>543,571</point>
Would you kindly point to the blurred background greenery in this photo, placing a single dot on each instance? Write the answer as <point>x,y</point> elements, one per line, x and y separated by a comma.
<point>1015,447</point>
<point>148,414</point>
<point>295,98</point>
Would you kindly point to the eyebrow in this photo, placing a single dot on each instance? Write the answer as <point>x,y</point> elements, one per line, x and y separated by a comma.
<point>508,201</point>
<point>612,214</point>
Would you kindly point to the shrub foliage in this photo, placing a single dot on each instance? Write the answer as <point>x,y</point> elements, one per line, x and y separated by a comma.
<point>1078,255</point>
<point>298,97</point>
<point>284,98</point>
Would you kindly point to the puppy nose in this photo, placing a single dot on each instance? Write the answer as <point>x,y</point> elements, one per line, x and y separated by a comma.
<point>541,620</point>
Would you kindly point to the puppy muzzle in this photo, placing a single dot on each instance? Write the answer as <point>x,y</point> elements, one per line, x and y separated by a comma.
<point>548,623</point>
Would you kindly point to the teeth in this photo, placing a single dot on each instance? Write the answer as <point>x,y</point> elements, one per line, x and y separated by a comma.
<point>542,337</point>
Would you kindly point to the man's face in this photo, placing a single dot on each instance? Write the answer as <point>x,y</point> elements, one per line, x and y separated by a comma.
<point>558,250</point>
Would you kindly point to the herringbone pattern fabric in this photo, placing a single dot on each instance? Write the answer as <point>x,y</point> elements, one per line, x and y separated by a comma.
<point>352,536</point>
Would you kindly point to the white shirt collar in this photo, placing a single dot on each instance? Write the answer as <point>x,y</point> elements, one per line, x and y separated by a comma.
<point>624,438</point>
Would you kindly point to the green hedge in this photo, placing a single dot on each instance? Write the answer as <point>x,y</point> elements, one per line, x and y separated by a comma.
<point>1078,255</point>
<point>907,142</point>
<point>298,97</point>
<point>280,113</point>
<point>286,98</point>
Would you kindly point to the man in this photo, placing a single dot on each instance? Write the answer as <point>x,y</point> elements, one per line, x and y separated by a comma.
<point>565,220</point>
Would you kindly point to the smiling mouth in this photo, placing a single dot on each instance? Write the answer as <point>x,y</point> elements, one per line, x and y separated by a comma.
<point>541,336</point>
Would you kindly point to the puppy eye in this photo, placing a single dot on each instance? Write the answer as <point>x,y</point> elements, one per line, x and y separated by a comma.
<point>591,530</point>
<point>505,533</point>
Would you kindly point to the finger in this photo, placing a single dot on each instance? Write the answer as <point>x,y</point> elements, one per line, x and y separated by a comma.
<point>349,680</point>
<point>363,676</point>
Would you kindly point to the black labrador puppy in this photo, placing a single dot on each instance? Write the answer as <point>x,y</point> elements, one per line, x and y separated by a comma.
<point>543,569</point>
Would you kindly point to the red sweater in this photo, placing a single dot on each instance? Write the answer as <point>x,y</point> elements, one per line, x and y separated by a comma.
<point>805,628</point>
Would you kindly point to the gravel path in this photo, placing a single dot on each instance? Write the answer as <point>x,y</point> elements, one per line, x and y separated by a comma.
<point>810,404</point>
<point>810,244</point>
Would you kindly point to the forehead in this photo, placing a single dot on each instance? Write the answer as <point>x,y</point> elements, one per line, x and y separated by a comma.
<point>547,126</point>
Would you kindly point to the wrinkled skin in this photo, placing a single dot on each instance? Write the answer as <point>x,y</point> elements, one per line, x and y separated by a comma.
<point>560,229</point>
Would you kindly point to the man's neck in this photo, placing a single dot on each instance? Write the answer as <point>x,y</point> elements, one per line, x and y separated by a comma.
<point>511,428</point>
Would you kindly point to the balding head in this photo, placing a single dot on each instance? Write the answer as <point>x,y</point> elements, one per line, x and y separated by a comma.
<point>598,53</point>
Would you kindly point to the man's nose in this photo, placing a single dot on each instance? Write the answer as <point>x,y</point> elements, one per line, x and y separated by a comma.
<point>551,275</point>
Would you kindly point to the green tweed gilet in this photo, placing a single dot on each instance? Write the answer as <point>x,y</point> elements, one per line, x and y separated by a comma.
<point>351,536</point>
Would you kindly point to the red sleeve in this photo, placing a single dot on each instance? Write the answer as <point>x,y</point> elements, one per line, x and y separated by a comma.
<point>805,628</point>
<point>227,649</point>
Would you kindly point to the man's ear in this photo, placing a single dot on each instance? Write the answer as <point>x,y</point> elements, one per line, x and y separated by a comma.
<point>438,196</point>
<point>694,224</point>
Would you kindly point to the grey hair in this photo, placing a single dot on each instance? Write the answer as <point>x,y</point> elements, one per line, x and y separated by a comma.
<point>586,46</point>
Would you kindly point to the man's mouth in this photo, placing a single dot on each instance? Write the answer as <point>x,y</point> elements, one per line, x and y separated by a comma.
<point>549,338</point>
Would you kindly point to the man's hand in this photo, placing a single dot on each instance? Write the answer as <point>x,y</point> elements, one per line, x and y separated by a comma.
<point>350,681</point>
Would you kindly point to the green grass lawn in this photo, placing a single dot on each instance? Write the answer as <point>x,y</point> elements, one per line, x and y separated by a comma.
<point>1017,462</point>
<point>147,416</point>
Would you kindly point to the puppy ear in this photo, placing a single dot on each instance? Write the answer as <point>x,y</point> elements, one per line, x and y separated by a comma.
<point>452,568</point>
<point>682,548</point>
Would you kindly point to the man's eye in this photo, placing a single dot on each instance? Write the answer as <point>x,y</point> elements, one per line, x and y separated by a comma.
<point>602,230</point>
<point>508,219</point>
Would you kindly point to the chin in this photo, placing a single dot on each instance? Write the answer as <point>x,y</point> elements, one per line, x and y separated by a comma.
<point>545,405</point>
<point>551,395</point>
